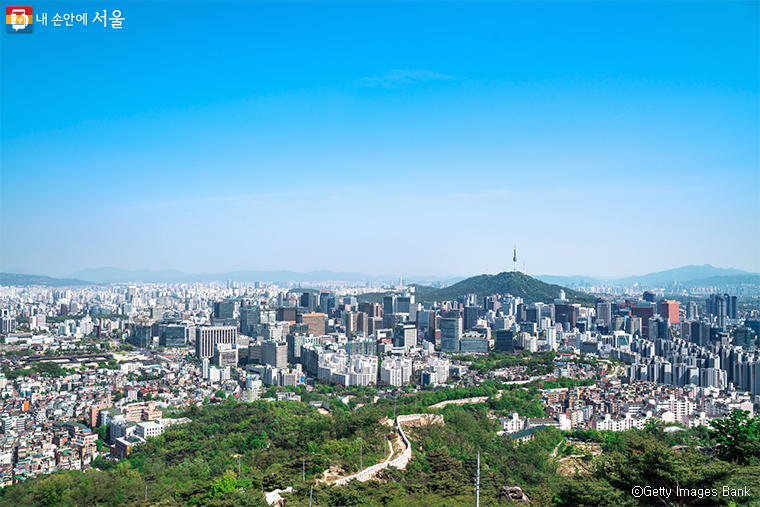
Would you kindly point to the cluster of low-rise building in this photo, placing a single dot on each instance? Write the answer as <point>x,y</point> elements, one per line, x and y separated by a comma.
<point>620,406</point>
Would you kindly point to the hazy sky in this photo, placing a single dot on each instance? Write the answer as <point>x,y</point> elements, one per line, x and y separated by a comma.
<point>602,138</point>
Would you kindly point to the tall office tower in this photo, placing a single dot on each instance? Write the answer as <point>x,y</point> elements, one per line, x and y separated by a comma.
<point>491,303</point>
<point>405,335</point>
<point>374,323</point>
<point>309,301</point>
<point>371,309</point>
<point>8,325</point>
<point>633,326</point>
<point>659,328</point>
<point>720,311</point>
<point>389,304</point>
<point>248,316</point>
<point>349,322</point>
<point>701,333</point>
<point>295,343</point>
<point>391,319</point>
<point>692,313</point>
<point>274,354</point>
<point>717,307</point>
<point>172,335</point>
<point>649,297</point>
<point>206,337</point>
<point>225,309</point>
<point>645,311</point>
<point>533,312</point>
<point>471,314</point>
<point>316,323</point>
<point>521,314</point>
<point>326,303</point>
<point>403,304</point>
<point>451,331</point>
<point>603,313</point>
<point>274,331</point>
<point>669,310</point>
<point>285,314</point>
<point>426,325</point>
<point>566,314</point>
<point>362,324</point>
<point>732,311</point>
<point>141,335</point>
<point>505,340</point>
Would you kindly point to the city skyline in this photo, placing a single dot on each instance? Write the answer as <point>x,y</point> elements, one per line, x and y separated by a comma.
<point>604,140</point>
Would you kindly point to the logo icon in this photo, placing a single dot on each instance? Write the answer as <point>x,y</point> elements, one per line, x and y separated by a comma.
<point>18,19</point>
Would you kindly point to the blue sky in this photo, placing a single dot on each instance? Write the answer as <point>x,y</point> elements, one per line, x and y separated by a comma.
<point>603,139</point>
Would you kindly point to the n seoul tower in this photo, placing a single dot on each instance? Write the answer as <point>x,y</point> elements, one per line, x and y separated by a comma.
<point>514,259</point>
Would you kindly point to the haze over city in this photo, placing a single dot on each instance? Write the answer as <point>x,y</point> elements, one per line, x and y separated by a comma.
<point>601,139</point>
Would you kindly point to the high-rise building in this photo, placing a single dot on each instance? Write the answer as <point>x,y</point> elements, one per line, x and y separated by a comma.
<point>8,325</point>
<point>603,313</point>
<point>225,309</point>
<point>405,335</point>
<point>309,301</point>
<point>371,309</point>
<point>316,323</point>
<point>491,303</point>
<point>566,314</point>
<point>645,311</point>
<point>172,335</point>
<point>295,342</point>
<point>403,304</point>
<point>717,307</point>
<point>389,304</point>
<point>669,310</point>
<point>373,324</point>
<point>692,312</point>
<point>633,326</point>
<point>141,335</point>
<point>206,337</point>
<point>451,331</point>
<point>248,320</point>
<point>274,354</point>
<point>471,315</point>
<point>732,310</point>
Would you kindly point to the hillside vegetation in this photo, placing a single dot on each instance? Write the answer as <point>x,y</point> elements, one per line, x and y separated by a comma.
<point>517,284</point>
<point>230,454</point>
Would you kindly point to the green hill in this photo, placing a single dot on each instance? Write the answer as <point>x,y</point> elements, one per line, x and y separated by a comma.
<point>528,288</point>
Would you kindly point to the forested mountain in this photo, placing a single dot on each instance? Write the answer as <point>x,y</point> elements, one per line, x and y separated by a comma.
<point>518,284</point>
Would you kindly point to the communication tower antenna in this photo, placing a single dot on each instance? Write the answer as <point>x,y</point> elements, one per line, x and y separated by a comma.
<point>514,259</point>
<point>523,267</point>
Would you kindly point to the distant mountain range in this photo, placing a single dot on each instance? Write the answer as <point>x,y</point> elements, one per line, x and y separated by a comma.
<point>686,275</point>
<point>118,275</point>
<point>14,279</point>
